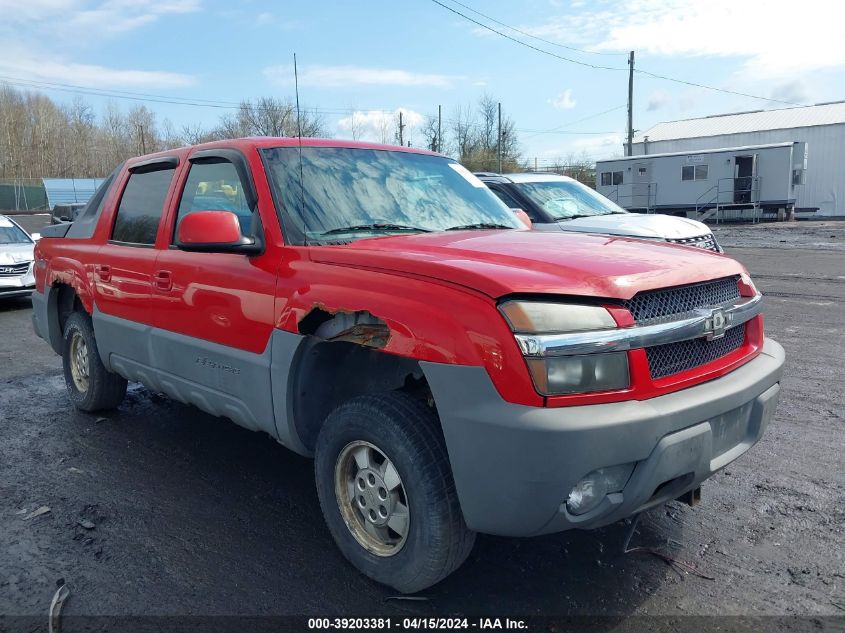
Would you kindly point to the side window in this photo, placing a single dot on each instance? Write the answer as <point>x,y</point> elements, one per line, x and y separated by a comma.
<point>215,186</point>
<point>141,206</point>
<point>505,197</point>
<point>606,178</point>
<point>513,203</point>
<point>694,172</point>
<point>617,178</point>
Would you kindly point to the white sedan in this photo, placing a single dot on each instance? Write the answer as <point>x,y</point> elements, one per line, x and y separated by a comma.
<point>17,278</point>
<point>559,203</point>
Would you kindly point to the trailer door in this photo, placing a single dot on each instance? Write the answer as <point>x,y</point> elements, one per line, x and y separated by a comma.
<point>643,191</point>
<point>745,171</point>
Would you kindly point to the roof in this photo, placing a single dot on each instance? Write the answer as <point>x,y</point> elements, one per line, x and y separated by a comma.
<point>786,118</point>
<point>732,150</point>
<point>260,142</point>
<point>522,177</point>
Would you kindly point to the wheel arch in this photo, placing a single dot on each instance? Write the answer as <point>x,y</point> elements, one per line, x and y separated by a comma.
<point>62,301</point>
<point>326,373</point>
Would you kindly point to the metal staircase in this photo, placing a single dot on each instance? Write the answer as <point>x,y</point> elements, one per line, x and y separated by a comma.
<point>725,202</point>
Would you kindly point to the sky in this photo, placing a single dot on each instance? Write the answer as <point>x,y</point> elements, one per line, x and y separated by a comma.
<point>369,59</point>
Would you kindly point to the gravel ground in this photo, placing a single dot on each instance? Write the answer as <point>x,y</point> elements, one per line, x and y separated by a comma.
<point>159,509</point>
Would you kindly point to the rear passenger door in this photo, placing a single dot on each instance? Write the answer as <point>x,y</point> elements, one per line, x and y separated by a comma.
<point>124,266</point>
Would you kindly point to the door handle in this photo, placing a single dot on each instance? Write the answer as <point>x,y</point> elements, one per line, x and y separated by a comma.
<point>104,272</point>
<point>163,280</point>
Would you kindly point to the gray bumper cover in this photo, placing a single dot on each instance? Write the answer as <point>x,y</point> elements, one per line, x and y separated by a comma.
<point>514,465</point>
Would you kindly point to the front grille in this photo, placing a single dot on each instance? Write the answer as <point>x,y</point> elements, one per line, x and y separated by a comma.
<point>672,358</point>
<point>707,242</point>
<point>13,270</point>
<point>672,304</point>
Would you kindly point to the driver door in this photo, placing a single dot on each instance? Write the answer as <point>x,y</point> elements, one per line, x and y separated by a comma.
<point>214,311</point>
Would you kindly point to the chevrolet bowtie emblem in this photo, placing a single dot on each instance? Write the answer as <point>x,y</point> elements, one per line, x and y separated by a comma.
<point>715,324</point>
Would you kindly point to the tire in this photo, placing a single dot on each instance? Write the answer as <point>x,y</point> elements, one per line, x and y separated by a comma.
<point>406,432</point>
<point>90,385</point>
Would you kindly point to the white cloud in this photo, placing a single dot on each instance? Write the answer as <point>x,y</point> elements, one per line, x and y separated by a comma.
<point>599,142</point>
<point>778,40</point>
<point>794,91</point>
<point>766,38</point>
<point>341,76</point>
<point>563,101</point>
<point>379,125</point>
<point>120,16</point>
<point>54,69</point>
<point>264,18</point>
<point>32,33</point>
<point>658,99</point>
<point>68,17</point>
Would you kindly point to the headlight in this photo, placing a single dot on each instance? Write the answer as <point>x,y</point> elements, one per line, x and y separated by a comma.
<point>537,317</point>
<point>557,375</point>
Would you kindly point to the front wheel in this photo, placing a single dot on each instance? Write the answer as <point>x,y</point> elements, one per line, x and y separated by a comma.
<point>90,385</point>
<point>387,492</point>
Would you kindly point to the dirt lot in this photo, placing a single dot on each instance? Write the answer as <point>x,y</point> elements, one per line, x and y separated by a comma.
<point>195,516</point>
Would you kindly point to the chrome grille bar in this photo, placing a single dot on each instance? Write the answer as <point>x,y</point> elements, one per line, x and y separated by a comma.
<point>639,336</point>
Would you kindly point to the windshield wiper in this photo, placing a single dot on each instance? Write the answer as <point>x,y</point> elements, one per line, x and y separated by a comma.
<point>586,215</point>
<point>378,226</point>
<point>479,225</point>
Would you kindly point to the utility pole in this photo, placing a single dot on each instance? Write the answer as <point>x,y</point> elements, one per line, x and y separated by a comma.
<point>143,140</point>
<point>401,129</point>
<point>440,129</point>
<point>499,143</point>
<point>630,151</point>
<point>535,163</point>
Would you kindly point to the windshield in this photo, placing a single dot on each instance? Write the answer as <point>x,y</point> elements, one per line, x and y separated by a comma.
<point>352,193</point>
<point>568,199</point>
<point>10,233</point>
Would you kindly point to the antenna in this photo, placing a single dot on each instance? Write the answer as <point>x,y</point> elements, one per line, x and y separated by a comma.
<point>299,134</point>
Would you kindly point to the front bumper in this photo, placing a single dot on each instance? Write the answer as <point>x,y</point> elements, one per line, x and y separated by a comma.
<point>17,286</point>
<point>514,465</point>
<point>8,293</point>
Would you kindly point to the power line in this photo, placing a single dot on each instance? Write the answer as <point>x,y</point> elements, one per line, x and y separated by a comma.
<point>600,67</point>
<point>581,120</point>
<point>224,105</point>
<point>533,37</point>
<point>518,41</point>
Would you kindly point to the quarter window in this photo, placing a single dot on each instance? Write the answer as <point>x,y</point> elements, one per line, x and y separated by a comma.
<point>141,206</point>
<point>214,185</point>
<point>694,172</point>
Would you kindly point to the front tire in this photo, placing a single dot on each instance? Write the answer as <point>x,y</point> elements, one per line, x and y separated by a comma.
<point>387,492</point>
<point>90,385</point>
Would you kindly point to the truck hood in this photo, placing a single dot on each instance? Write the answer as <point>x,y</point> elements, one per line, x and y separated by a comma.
<point>499,263</point>
<point>636,225</point>
<point>16,253</point>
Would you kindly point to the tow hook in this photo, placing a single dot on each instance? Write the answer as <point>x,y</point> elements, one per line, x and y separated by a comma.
<point>691,498</point>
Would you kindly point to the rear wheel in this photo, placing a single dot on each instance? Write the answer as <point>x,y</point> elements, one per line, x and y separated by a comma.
<point>90,385</point>
<point>387,493</point>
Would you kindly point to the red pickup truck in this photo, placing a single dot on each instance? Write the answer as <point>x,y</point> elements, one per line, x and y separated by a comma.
<point>380,309</point>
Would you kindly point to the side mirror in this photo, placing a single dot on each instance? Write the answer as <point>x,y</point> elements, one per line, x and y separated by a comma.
<point>35,236</point>
<point>214,232</point>
<point>522,215</point>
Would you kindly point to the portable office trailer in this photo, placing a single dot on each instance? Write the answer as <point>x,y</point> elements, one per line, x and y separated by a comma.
<point>726,183</point>
<point>821,126</point>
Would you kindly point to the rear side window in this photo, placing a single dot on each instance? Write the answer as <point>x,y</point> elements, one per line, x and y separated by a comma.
<point>141,206</point>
